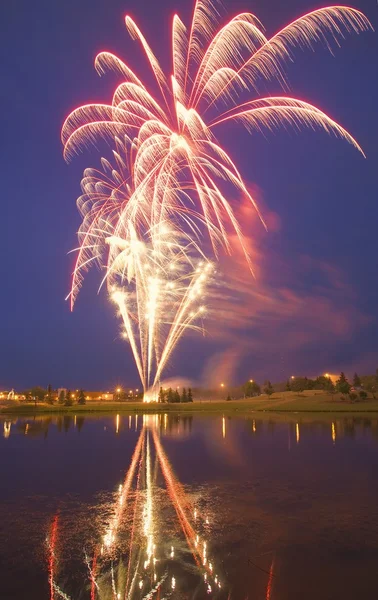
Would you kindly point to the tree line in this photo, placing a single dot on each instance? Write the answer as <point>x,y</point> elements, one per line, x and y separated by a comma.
<point>173,396</point>
<point>359,387</point>
<point>66,398</point>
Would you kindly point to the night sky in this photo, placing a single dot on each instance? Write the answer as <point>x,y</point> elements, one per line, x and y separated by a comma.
<point>313,307</point>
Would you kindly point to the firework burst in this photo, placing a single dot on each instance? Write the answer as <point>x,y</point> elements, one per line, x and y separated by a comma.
<point>169,191</point>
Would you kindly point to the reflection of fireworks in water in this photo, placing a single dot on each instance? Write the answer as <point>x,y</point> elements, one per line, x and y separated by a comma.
<point>144,569</point>
<point>171,174</point>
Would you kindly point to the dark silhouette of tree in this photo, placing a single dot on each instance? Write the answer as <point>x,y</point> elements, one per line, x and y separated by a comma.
<point>162,395</point>
<point>176,396</point>
<point>342,384</point>
<point>62,397</point>
<point>184,397</point>
<point>170,395</point>
<point>38,393</point>
<point>288,388</point>
<point>49,398</point>
<point>299,384</point>
<point>372,388</point>
<point>190,395</point>
<point>68,401</point>
<point>268,388</point>
<point>81,398</point>
<point>228,398</point>
<point>356,381</point>
<point>329,385</point>
<point>251,388</point>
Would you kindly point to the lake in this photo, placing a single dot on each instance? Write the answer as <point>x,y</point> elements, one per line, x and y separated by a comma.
<point>165,506</point>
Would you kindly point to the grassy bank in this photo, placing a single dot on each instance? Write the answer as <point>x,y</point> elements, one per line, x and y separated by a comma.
<point>284,402</point>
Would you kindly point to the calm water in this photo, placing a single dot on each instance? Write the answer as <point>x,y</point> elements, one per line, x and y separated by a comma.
<point>191,507</point>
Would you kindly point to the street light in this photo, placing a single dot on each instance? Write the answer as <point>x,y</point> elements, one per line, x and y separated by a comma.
<point>293,377</point>
<point>222,384</point>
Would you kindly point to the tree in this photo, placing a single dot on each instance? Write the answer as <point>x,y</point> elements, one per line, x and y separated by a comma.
<point>61,397</point>
<point>68,399</point>
<point>228,398</point>
<point>356,381</point>
<point>352,396</point>
<point>184,397</point>
<point>370,387</point>
<point>81,398</point>
<point>342,384</point>
<point>288,388</point>
<point>170,395</point>
<point>49,398</point>
<point>363,395</point>
<point>190,395</point>
<point>268,388</point>
<point>38,393</point>
<point>299,384</point>
<point>251,388</point>
<point>329,386</point>
<point>161,395</point>
<point>176,396</point>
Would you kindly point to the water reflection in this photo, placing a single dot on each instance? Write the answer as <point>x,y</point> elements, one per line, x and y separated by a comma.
<point>134,554</point>
<point>180,426</point>
<point>263,504</point>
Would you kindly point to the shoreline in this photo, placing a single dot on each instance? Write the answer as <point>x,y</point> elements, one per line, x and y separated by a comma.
<point>295,405</point>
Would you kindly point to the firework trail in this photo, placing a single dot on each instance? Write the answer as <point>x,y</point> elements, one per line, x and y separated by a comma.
<point>169,192</point>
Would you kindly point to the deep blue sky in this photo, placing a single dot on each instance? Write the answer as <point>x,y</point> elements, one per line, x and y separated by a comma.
<point>324,193</point>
